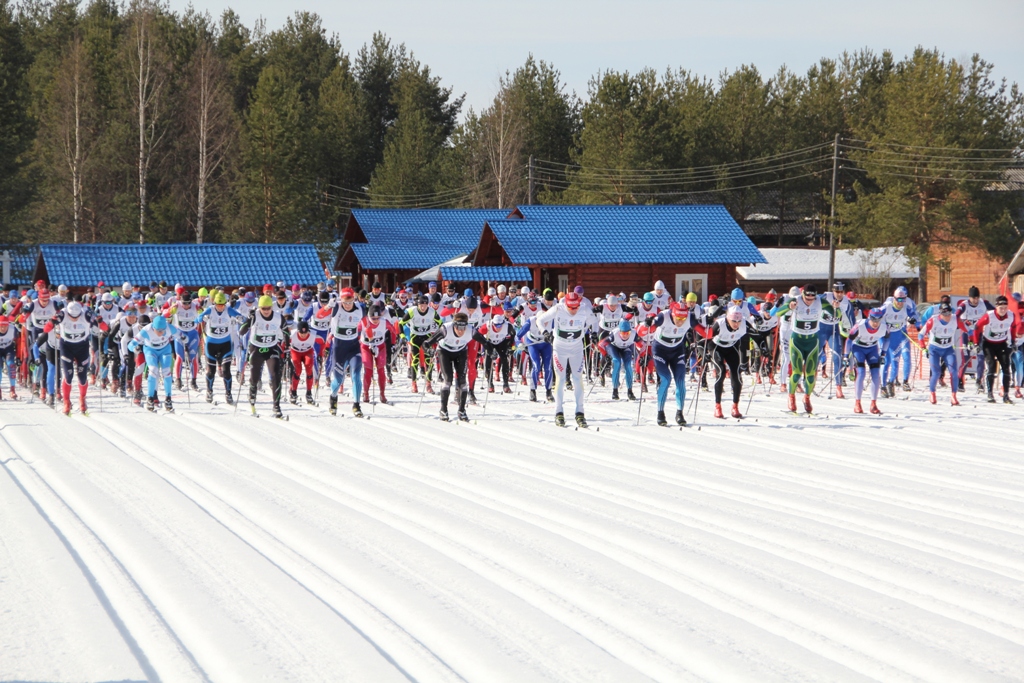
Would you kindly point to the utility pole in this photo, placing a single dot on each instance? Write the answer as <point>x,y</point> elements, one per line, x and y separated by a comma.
<point>529,191</point>
<point>832,217</point>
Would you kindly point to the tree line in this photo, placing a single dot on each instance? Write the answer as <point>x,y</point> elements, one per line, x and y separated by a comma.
<point>128,122</point>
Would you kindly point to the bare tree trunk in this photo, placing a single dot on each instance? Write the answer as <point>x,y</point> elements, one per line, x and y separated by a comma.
<point>70,124</point>
<point>148,80</point>
<point>503,143</point>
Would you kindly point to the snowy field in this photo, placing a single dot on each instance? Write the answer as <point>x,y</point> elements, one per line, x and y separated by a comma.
<point>209,546</point>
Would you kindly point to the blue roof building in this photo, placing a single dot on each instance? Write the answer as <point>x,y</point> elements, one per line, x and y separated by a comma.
<point>191,265</point>
<point>392,245</point>
<point>620,248</point>
<point>23,262</point>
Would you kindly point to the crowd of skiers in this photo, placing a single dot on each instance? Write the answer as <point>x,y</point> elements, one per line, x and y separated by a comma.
<point>135,343</point>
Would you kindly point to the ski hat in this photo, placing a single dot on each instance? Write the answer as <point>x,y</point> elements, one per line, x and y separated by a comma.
<point>472,303</point>
<point>734,314</point>
<point>794,291</point>
<point>303,327</point>
<point>280,284</point>
<point>126,287</point>
<point>220,299</point>
<point>838,286</point>
<point>713,299</point>
<point>691,298</point>
<point>578,289</point>
<point>502,289</point>
<point>1001,300</point>
<point>376,285</point>
<point>549,295</point>
<point>507,306</point>
<point>435,298</point>
<point>296,288</point>
<point>129,309</point>
<point>524,290</point>
<point>659,285</point>
<point>347,292</point>
<point>178,288</point>
<point>421,300</point>
<point>249,297</point>
<point>973,292</point>
<point>467,292</point>
<point>450,287</point>
<point>649,297</point>
<point>677,309</point>
<point>186,297</point>
<point>497,320</point>
<point>876,313</point>
<point>752,300</point>
<point>491,291</point>
<point>945,308</point>
<point>432,284</point>
<point>107,298</point>
<point>612,300</point>
<point>573,300</point>
<point>737,294</point>
<point>901,291</point>
<point>268,288</point>
<point>266,302</point>
<point>74,309</point>
<point>159,323</point>
<point>307,296</point>
<point>624,326</point>
<point>4,320</point>
<point>810,289</point>
<point>376,311</point>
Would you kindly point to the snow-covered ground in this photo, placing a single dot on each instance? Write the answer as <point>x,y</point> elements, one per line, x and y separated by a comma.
<point>210,546</point>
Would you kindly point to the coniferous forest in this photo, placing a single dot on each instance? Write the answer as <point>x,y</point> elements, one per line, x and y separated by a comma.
<point>127,122</point>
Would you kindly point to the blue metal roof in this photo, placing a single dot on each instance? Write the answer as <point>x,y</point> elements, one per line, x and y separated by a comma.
<point>23,262</point>
<point>459,228</point>
<point>486,273</point>
<point>625,234</point>
<point>192,265</point>
<point>406,256</point>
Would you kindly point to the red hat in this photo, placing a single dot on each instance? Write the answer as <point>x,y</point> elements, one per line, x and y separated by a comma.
<point>268,288</point>
<point>677,307</point>
<point>713,297</point>
<point>347,291</point>
<point>4,320</point>
<point>573,299</point>
<point>770,297</point>
<point>40,284</point>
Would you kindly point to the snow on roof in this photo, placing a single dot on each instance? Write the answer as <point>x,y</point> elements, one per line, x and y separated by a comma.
<point>812,264</point>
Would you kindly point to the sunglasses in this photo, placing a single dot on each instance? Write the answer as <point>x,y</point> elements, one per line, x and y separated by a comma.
<point>266,308</point>
<point>460,326</point>
<point>901,299</point>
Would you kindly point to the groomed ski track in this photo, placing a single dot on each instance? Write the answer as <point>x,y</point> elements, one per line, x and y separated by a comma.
<point>210,546</point>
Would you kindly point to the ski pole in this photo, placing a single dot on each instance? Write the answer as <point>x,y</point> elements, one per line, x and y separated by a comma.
<point>238,394</point>
<point>188,361</point>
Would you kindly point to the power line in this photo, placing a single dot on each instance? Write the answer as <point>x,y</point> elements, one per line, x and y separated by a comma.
<point>1015,150</point>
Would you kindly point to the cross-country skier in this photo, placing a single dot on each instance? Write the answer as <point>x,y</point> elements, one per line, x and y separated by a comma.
<point>568,322</point>
<point>217,323</point>
<point>451,341</point>
<point>995,334</point>
<point>864,344</point>
<point>268,329</point>
<point>154,340</point>
<point>938,338</point>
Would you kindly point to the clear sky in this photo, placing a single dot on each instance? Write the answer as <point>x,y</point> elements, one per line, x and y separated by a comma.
<point>471,43</point>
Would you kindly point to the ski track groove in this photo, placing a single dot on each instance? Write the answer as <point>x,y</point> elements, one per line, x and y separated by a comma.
<point>960,510</point>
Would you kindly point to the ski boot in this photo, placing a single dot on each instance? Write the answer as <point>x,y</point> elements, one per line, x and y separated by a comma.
<point>680,420</point>
<point>906,385</point>
<point>792,402</point>
<point>953,401</point>
<point>228,399</point>
<point>581,421</point>
<point>463,417</point>
<point>293,397</point>
<point>13,394</point>
<point>550,396</point>
<point>137,398</point>
<point>490,387</point>
<point>356,410</point>
<point>718,411</point>
<point>932,399</point>
<point>472,398</point>
<point>1016,394</point>
<point>168,405</point>
<point>415,388</point>
<point>568,382</point>
<point>533,395</point>
<point>874,408</point>
<point>1008,400</point>
<point>430,387</point>
<point>82,407</point>
<point>839,392</point>
<point>333,405</point>
<point>630,395</point>
<point>152,403</point>
<point>559,420</point>
<point>178,385</point>
<point>736,411</point>
<point>115,386</point>
<point>991,398</point>
<point>209,395</point>
<point>615,394</point>
<point>443,415</point>
<point>366,396</point>
<point>309,397</point>
<point>505,389</point>
<point>66,392</point>
<point>602,380</point>
<point>857,407</point>
<point>194,385</point>
<point>276,411</point>
<point>48,400</point>
<point>388,373</point>
<point>807,404</point>
<point>662,422</point>
<point>122,392</point>
<point>383,399</point>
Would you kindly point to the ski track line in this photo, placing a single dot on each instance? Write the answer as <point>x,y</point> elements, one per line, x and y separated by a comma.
<point>216,656</point>
<point>909,587</point>
<point>301,569</point>
<point>306,571</point>
<point>965,553</point>
<point>437,587</point>
<point>925,639</point>
<point>152,642</point>
<point>548,594</point>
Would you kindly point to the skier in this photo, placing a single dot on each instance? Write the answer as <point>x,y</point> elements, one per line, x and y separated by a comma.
<point>621,346</point>
<point>154,340</point>
<point>8,349</point>
<point>268,329</point>
<point>729,334</point>
<point>373,331</point>
<point>532,338</point>
<point>344,347</point>
<point>670,347</point>
<point>900,311</point>
<point>995,335</point>
<point>660,296</point>
<point>496,340</point>
<point>452,341</point>
<point>122,363</point>
<point>183,314</point>
<point>568,322</point>
<point>217,324</point>
<point>832,331</point>
<point>863,344</point>
<point>970,311</point>
<point>941,332</point>
<point>422,322</point>
<point>806,314</point>
<point>302,351</point>
<point>73,327</point>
